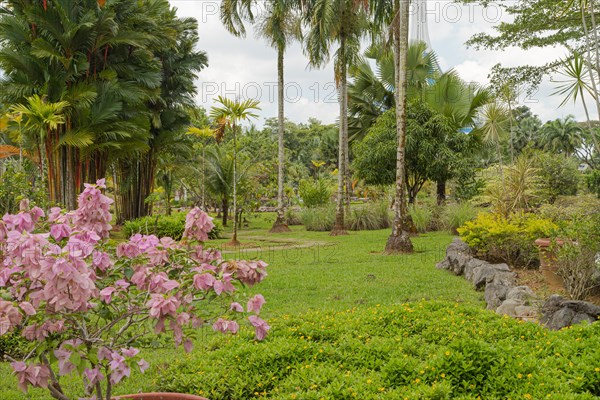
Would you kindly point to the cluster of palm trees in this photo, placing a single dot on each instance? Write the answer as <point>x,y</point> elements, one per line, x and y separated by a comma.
<point>338,27</point>
<point>99,88</point>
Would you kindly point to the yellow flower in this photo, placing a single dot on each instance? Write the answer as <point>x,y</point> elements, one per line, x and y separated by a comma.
<point>443,375</point>
<point>417,380</point>
<point>519,376</point>
<point>447,353</point>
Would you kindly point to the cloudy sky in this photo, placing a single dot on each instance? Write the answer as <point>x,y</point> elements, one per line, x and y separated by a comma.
<point>247,67</point>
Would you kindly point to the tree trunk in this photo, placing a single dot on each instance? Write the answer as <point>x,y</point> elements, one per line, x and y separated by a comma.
<point>339,228</point>
<point>225,210</point>
<point>399,240</point>
<point>234,241</point>
<point>280,225</point>
<point>441,192</point>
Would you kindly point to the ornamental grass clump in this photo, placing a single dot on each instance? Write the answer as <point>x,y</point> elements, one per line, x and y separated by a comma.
<point>84,305</point>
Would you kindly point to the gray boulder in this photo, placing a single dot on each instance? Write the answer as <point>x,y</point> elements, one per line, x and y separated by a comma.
<point>558,312</point>
<point>496,273</point>
<point>522,293</point>
<point>495,294</point>
<point>508,307</point>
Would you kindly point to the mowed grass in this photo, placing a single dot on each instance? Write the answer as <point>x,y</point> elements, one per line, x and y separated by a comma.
<point>311,271</point>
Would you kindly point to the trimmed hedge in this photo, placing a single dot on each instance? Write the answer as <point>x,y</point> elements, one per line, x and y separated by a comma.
<point>164,225</point>
<point>424,350</point>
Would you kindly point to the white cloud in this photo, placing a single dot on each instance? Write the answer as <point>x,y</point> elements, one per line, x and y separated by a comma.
<point>247,66</point>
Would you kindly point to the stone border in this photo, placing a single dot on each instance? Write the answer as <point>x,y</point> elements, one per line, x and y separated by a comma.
<point>503,296</point>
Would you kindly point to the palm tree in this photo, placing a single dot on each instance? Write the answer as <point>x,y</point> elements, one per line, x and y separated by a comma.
<point>576,85</point>
<point>279,24</point>
<point>562,136</point>
<point>219,178</point>
<point>227,117</point>
<point>343,22</point>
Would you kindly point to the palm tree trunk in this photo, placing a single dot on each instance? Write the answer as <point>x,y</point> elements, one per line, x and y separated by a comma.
<point>280,225</point>
<point>224,210</point>
<point>589,60</point>
<point>399,240</point>
<point>339,228</point>
<point>234,240</point>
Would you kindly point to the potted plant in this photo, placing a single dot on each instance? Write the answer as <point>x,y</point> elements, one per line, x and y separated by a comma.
<point>84,304</point>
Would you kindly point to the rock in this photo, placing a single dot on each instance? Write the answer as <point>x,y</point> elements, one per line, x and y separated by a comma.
<point>505,278</point>
<point>496,273</point>
<point>522,293</point>
<point>457,262</point>
<point>444,264</point>
<point>495,294</point>
<point>558,313</point>
<point>458,245</point>
<point>580,317</point>
<point>527,313</point>
<point>508,307</point>
<point>471,265</point>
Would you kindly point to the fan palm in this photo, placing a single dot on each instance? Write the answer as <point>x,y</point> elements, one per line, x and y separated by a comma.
<point>344,23</point>
<point>227,117</point>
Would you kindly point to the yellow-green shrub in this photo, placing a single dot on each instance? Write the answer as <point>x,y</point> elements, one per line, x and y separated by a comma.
<point>507,239</point>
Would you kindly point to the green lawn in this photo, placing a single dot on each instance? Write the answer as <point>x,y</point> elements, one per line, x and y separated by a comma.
<point>350,322</point>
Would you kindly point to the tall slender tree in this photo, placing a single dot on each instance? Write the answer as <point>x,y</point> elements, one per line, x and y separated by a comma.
<point>391,19</point>
<point>341,22</point>
<point>228,116</point>
<point>279,24</point>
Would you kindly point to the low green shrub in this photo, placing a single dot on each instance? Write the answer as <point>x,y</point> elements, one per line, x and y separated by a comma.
<point>292,217</point>
<point>314,193</point>
<point>593,182</point>
<point>455,215</point>
<point>424,350</point>
<point>164,225</point>
<point>507,239</point>
<point>422,217</point>
<point>318,218</point>
<point>369,217</point>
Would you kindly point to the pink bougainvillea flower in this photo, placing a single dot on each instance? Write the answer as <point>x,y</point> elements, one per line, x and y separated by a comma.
<point>143,365</point>
<point>119,368</point>
<point>36,375</point>
<point>106,294</point>
<point>60,231</point>
<point>260,327</point>
<point>128,250</point>
<point>101,260</point>
<point>204,281</point>
<point>9,316</point>
<point>197,225</point>
<point>93,375</point>
<point>256,303</point>
<point>27,308</point>
<point>236,307</point>
<point>224,326</point>
<point>161,306</point>
<point>130,352</point>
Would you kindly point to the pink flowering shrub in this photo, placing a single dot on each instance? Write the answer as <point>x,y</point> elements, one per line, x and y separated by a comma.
<point>84,303</point>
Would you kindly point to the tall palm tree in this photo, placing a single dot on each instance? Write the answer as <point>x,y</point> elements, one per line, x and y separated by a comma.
<point>279,24</point>
<point>563,136</point>
<point>341,22</point>
<point>227,117</point>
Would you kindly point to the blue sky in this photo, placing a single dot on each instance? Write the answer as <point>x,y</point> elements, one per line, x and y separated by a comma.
<point>247,67</point>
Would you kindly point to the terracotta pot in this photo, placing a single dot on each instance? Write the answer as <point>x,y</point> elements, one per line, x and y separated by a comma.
<point>159,396</point>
